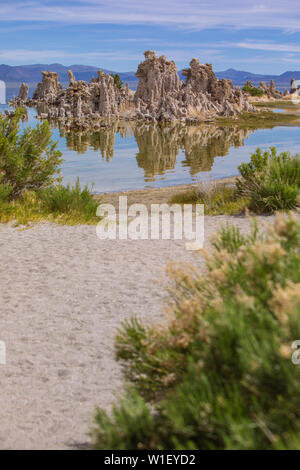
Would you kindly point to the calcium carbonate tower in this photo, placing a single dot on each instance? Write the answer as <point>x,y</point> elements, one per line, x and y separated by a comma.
<point>2,92</point>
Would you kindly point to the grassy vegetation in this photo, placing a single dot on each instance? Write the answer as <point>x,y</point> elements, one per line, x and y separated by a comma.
<point>269,182</point>
<point>30,188</point>
<point>261,119</point>
<point>59,204</point>
<point>277,104</point>
<point>70,200</point>
<point>217,374</point>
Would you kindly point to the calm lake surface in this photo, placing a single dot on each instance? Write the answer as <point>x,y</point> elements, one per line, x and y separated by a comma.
<point>132,155</point>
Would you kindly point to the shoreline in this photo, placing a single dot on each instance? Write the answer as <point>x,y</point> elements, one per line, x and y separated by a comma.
<point>161,195</point>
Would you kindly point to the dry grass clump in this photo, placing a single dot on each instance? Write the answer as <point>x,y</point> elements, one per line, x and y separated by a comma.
<point>218,198</point>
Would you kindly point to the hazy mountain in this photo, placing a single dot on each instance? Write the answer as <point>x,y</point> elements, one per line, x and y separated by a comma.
<point>31,74</point>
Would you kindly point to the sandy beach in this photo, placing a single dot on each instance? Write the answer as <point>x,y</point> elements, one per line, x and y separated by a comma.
<point>63,295</point>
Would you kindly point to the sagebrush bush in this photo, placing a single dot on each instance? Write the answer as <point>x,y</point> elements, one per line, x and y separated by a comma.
<point>270,181</point>
<point>69,199</point>
<point>5,191</point>
<point>28,160</point>
<point>218,373</point>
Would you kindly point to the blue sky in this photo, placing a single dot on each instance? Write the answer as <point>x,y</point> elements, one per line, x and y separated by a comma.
<point>260,36</point>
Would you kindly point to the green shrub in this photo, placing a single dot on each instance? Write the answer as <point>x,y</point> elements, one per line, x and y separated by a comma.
<point>29,173</point>
<point>28,160</point>
<point>270,181</point>
<point>252,90</point>
<point>218,374</point>
<point>69,200</point>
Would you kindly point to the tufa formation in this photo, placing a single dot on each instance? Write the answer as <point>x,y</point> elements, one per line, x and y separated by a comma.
<point>160,96</point>
<point>269,90</point>
<point>48,89</point>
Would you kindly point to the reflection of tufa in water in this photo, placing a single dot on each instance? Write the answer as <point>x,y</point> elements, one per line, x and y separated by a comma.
<point>102,139</point>
<point>159,145</point>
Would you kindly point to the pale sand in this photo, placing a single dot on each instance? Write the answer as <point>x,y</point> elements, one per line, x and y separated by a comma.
<point>63,295</point>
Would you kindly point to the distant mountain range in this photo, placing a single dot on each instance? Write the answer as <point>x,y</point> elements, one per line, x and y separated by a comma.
<point>240,77</point>
<point>13,76</point>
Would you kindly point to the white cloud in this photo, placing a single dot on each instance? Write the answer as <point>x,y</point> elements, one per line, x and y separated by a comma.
<point>269,46</point>
<point>180,56</point>
<point>28,56</point>
<point>22,55</point>
<point>196,14</point>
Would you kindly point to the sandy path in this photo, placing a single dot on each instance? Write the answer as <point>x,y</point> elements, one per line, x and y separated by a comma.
<point>63,294</point>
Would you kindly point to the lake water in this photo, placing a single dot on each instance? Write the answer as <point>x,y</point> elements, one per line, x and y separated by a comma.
<point>132,155</point>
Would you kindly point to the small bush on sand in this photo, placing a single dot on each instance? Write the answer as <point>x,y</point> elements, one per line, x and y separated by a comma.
<point>270,181</point>
<point>28,160</point>
<point>218,373</point>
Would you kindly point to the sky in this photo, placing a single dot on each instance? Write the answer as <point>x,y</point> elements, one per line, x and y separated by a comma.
<point>260,36</point>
